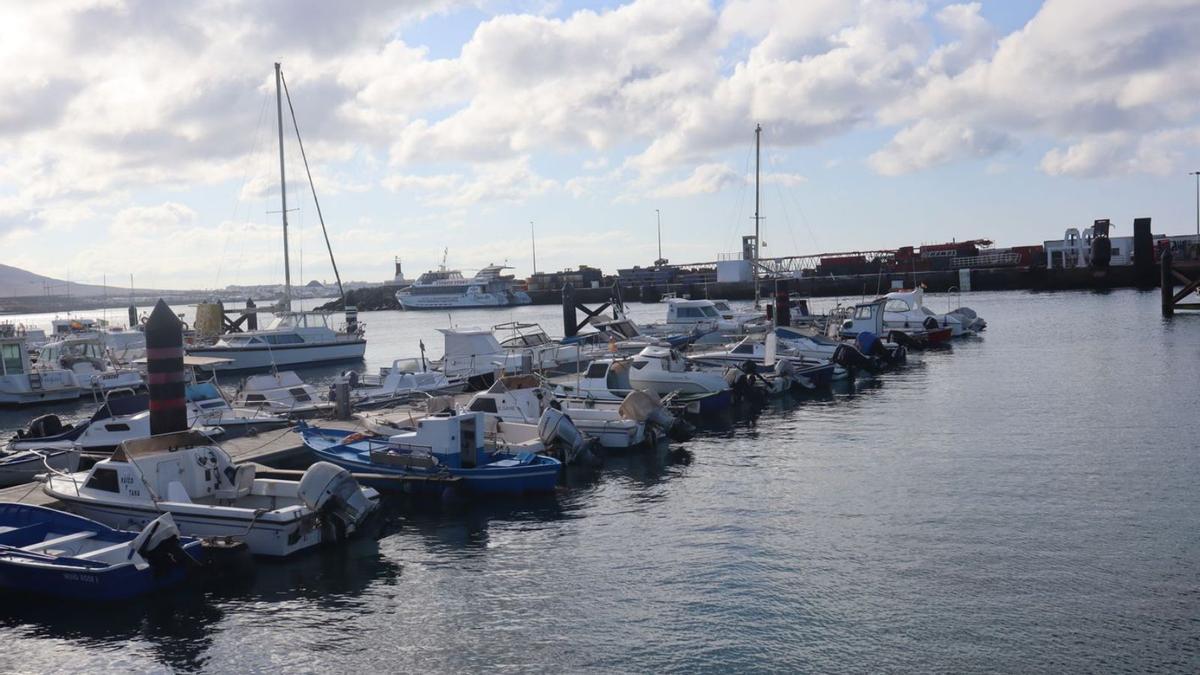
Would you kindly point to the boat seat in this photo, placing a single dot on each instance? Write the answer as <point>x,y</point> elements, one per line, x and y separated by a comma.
<point>243,484</point>
<point>177,493</point>
<point>57,541</point>
<point>526,457</point>
<point>92,555</point>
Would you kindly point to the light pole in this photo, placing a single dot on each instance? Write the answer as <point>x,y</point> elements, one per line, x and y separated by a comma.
<point>1197,175</point>
<point>658,217</point>
<point>533,244</point>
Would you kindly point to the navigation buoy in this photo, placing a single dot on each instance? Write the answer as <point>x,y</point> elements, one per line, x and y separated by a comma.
<point>164,371</point>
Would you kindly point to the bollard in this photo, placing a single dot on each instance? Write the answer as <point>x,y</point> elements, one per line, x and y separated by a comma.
<point>164,371</point>
<point>342,398</point>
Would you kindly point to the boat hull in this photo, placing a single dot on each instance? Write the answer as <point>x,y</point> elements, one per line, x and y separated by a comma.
<point>410,302</point>
<point>22,466</point>
<point>275,537</point>
<point>490,479</point>
<point>256,358</point>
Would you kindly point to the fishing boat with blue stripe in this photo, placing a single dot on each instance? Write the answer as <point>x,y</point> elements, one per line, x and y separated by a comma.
<point>437,445</point>
<point>50,552</point>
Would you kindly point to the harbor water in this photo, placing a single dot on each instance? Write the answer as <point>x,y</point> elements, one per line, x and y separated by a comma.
<point>1022,501</point>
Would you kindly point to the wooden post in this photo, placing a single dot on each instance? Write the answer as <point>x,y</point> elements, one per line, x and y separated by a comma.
<point>1167,285</point>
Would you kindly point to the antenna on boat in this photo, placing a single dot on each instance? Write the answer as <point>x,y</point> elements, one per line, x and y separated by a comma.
<point>533,241</point>
<point>287,268</point>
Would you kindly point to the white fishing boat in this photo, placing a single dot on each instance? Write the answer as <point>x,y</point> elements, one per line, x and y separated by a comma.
<point>698,317</point>
<point>402,381</point>
<point>124,345</point>
<point>23,384</point>
<point>281,393</point>
<point>185,475</point>
<point>449,289</point>
<point>89,360</point>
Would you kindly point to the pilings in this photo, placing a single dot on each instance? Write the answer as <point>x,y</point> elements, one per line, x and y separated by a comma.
<point>1170,273</point>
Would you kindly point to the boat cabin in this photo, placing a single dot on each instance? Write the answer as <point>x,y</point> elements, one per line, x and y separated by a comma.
<point>455,441</point>
<point>692,311</point>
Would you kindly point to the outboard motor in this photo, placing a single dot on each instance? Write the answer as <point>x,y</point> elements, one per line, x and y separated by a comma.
<point>331,491</point>
<point>157,546</point>
<point>931,323</point>
<point>969,319</point>
<point>851,359</point>
<point>43,426</point>
<point>555,428</point>
<point>903,339</point>
<point>645,406</point>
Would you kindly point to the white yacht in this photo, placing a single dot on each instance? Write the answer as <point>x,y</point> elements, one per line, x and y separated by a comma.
<point>185,475</point>
<point>449,289</point>
<point>88,359</point>
<point>292,339</point>
<point>474,354</point>
<point>21,383</point>
<point>545,353</point>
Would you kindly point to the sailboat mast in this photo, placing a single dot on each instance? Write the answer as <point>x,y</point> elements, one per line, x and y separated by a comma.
<point>287,267</point>
<point>533,242</point>
<point>757,218</point>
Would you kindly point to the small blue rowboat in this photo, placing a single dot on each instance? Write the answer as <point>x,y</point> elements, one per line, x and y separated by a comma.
<point>439,445</point>
<point>54,553</point>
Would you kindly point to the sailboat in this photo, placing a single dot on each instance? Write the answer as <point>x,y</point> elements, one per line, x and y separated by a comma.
<point>293,338</point>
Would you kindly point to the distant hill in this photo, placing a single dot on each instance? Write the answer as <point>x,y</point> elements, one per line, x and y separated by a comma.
<point>19,283</point>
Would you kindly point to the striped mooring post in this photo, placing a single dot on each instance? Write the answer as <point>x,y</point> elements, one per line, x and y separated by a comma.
<point>165,377</point>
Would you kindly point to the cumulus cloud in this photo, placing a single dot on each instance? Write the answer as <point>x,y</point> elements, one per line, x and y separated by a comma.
<point>1106,78</point>
<point>508,181</point>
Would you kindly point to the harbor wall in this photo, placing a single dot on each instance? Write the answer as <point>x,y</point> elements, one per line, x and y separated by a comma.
<point>987,279</point>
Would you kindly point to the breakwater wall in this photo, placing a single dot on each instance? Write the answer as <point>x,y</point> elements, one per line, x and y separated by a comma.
<point>987,279</point>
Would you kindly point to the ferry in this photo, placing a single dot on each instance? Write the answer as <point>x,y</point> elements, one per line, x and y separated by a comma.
<point>449,289</point>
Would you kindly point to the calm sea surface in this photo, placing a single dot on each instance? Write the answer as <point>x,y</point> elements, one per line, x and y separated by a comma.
<point>1024,501</point>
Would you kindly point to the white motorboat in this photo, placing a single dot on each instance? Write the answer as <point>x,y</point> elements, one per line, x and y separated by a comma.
<point>756,351</point>
<point>739,321</point>
<point>292,339</point>
<point>474,354</point>
<point>545,354</point>
<point>906,311</point>
<point>698,317</point>
<point>23,384</point>
<point>92,365</point>
<point>281,393</point>
<point>402,381</point>
<point>525,400</point>
<point>449,289</point>
<point>663,370</point>
<point>125,416</point>
<point>23,466</point>
<point>124,345</point>
<point>185,475</point>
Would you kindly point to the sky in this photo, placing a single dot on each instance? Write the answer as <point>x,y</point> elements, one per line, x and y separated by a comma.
<point>139,137</point>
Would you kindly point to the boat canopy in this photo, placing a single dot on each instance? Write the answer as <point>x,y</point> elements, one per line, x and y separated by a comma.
<point>162,443</point>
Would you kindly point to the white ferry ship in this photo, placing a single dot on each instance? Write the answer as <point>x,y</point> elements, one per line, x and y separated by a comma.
<point>447,289</point>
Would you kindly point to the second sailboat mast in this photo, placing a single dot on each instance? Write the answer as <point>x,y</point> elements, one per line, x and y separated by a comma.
<point>287,267</point>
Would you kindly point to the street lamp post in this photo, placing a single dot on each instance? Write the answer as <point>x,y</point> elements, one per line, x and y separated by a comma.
<point>1197,175</point>
<point>658,217</point>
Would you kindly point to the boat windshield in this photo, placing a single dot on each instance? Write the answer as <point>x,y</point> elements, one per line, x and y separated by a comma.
<point>710,312</point>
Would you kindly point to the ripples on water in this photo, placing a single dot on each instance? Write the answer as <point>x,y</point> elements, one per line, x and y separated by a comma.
<point>1023,501</point>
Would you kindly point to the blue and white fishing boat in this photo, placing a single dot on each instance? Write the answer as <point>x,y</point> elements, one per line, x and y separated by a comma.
<point>54,553</point>
<point>438,445</point>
